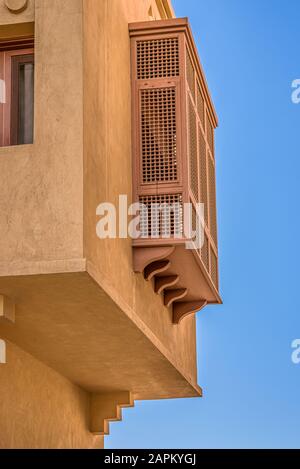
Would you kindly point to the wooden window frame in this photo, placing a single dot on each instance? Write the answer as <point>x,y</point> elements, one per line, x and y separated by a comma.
<point>14,108</point>
<point>8,115</point>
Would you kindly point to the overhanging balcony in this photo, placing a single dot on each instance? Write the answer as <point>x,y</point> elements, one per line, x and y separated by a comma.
<point>173,165</point>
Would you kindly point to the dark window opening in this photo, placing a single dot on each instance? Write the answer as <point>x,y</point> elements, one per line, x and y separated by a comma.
<point>22,99</point>
<point>17,94</point>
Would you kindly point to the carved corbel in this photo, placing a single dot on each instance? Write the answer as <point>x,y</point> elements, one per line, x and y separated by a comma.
<point>185,308</point>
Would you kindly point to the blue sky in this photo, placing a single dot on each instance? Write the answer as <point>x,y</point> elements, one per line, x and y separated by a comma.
<point>250,54</point>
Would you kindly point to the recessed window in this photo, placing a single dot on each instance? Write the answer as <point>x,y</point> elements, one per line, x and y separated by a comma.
<point>16,92</point>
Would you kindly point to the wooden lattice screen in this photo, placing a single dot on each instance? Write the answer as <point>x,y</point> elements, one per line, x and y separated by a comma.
<point>173,131</point>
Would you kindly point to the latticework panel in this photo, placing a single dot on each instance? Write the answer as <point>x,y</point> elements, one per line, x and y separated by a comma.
<point>157,58</point>
<point>203,174</point>
<point>193,155</point>
<point>204,252</point>
<point>194,220</point>
<point>158,135</point>
<point>200,106</point>
<point>214,268</point>
<point>197,224</point>
<point>212,201</point>
<point>202,169</point>
<point>190,74</point>
<point>210,134</point>
<point>173,146</point>
<point>161,216</point>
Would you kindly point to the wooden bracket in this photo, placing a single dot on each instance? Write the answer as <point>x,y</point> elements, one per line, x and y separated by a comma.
<point>143,256</point>
<point>163,282</point>
<point>185,308</point>
<point>156,268</point>
<point>174,295</point>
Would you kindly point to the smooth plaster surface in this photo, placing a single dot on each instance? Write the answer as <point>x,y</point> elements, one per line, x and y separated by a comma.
<point>41,184</point>
<point>41,409</point>
<point>100,325</point>
<point>69,323</point>
<point>108,170</point>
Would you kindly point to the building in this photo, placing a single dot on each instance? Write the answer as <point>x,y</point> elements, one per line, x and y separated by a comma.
<point>100,98</point>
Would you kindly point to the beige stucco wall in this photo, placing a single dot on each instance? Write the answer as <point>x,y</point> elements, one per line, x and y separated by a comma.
<point>39,408</point>
<point>108,173</point>
<point>41,194</point>
<point>6,17</point>
<point>50,190</point>
<point>41,184</point>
